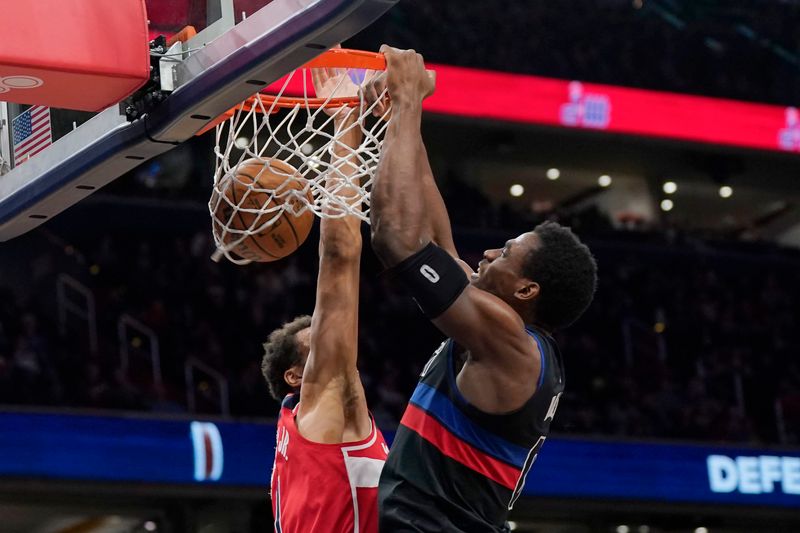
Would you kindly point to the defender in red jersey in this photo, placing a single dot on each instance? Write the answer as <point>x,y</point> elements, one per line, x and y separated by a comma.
<point>325,487</point>
<point>329,453</point>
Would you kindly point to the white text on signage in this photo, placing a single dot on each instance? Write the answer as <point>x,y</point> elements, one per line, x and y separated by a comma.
<point>754,475</point>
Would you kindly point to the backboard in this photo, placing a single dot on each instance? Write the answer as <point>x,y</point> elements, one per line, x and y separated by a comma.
<point>165,17</point>
<point>240,46</point>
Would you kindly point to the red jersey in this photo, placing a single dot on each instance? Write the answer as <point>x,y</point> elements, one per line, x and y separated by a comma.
<point>324,488</point>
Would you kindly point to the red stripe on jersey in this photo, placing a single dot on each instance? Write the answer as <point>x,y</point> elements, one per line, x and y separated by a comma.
<point>434,432</point>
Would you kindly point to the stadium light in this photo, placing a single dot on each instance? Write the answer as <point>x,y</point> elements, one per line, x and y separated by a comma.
<point>623,529</point>
<point>512,526</point>
<point>667,204</point>
<point>726,191</point>
<point>701,530</point>
<point>553,174</point>
<point>516,190</point>
<point>670,187</point>
<point>150,526</point>
<point>307,148</point>
<point>242,143</point>
<point>604,180</point>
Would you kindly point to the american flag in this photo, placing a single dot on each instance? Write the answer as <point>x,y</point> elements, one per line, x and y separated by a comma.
<point>32,133</point>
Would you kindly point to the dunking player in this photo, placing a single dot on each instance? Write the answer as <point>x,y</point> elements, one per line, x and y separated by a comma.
<point>329,453</point>
<point>485,400</point>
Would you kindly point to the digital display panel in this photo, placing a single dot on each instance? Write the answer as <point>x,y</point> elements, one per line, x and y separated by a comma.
<point>491,95</point>
<point>104,448</point>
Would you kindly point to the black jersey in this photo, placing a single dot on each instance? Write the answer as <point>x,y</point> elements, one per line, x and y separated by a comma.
<point>454,468</point>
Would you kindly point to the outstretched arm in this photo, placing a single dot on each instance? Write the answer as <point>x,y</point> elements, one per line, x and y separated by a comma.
<point>438,221</point>
<point>333,407</point>
<point>420,199</point>
<point>403,227</point>
<point>400,220</point>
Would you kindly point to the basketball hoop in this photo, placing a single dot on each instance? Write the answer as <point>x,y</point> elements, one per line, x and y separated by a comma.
<point>293,121</point>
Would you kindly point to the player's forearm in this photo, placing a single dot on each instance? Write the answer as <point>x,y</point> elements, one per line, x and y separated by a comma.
<point>334,325</point>
<point>400,219</point>
<point>348,136</point>
<point>340,236</point>
<point>442,233</point>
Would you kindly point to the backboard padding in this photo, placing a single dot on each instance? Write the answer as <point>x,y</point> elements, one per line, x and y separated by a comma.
<point>267,44</point>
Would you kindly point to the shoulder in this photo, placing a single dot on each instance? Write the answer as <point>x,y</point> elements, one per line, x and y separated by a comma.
<point>290,402</point>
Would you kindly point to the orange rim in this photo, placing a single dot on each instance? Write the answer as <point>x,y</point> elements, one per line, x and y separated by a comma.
<point>344,58</point>
<point>334,58</point>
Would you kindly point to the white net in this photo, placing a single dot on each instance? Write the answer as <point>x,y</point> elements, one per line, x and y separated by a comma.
<point>295,156</point>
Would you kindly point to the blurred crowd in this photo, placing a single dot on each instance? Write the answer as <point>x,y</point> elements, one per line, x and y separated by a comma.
<point>686,339</point>
<point>746,51</point>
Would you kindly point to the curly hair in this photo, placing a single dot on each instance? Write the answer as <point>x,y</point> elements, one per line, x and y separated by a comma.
<point>281,353</point>
<point>566,272</point>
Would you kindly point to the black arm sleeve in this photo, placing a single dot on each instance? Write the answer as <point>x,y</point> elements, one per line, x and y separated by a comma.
<point>432,277</point>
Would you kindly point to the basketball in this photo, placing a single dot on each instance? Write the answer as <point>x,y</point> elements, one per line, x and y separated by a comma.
<point>278,239</point>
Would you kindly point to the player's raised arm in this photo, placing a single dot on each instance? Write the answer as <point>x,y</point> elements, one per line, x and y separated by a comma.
<point>333,400</point>
<point>437,218</point>
<point>400,220</point>
<point>402,228</point>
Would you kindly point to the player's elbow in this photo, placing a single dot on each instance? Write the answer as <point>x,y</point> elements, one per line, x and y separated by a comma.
<point>393,244</point>
<point>341,248</point>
